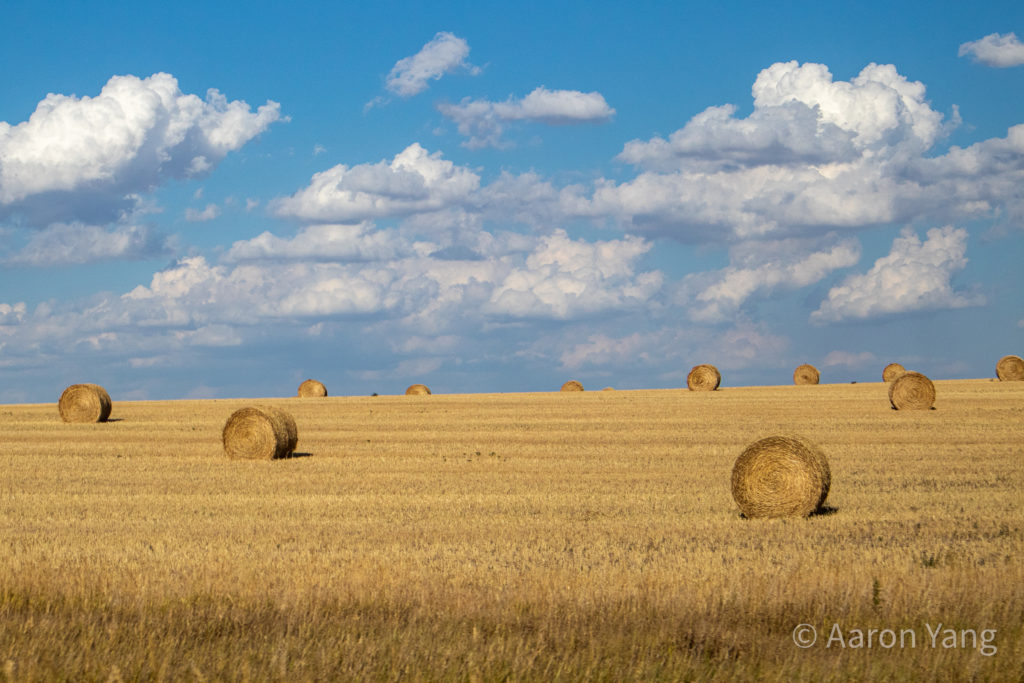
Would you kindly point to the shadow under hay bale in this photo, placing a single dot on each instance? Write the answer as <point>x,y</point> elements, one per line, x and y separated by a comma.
<point>703,377</point>
<point>572,385</point>
<point>84,403</point>
<point>417,390</point>
<point>312,389</point>
<point>1010,369</point>
<point>260,433</point>
<point>892,371</point>
<point>806,374</point>
<point>912,391</point>
<point>780,476</point>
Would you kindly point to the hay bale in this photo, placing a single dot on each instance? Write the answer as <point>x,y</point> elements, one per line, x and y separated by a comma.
<point>806,374</point>
<point>84,403</point>
<point>703,378</point>
<point>417,390</point>
<point>312,389</point>
<point>260,433</point>
<point>780,476</point>
<point>572,385</point>
<point>892,371</point>
<point>912,391</point>
<point>1010,369</point>
<point>608,389</point>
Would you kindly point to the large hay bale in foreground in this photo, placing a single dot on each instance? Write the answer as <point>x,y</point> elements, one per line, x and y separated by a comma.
<point>312,389</point>
<point>806,374</point>
<point>417,390</point>
<point>1010,369</point>
<point>912,391</point>
<point>84,403</point>
<point>892,371</point>
<point>780,476</point>
<point>260,433</point>
<point>703,378</point>
<point>572,385</point>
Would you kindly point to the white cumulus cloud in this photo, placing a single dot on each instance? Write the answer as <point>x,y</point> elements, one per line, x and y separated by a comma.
<point>996,50</point>
<point>915,276</point>
<point>483,121</point>
<point>446,52</point>
<point>208,213</point>
<point>413,181</point>
<point>85,158</point>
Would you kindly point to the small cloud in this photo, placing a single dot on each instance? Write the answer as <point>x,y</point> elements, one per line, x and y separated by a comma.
<point>318,150</point>
<point>198,194</point>
<point>996,50</point>
<point>446,52</point>
<point>208,214</point>
<point>251,203</point>
<point>75,243</point>
<point>483,122</point>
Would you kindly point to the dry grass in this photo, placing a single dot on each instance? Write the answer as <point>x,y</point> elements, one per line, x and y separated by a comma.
<point>510,536</point>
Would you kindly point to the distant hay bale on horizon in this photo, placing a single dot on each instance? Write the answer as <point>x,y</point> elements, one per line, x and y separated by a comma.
<point>572,385</point>
<point>608,389</point>
<point>780,476</point>
<point>312,389</point>
<point>260,433</point>
<point>417,390</point>
<point>703,377</point>
<point>806,374</point>
<point>912,391</point>
<point>892,371</point>
<point>1010,369</point>
<point>84,403</point>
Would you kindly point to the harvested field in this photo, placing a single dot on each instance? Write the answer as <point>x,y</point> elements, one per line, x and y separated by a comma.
<point>519,536</point>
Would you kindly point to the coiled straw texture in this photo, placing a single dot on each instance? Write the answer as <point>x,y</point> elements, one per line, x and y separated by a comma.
<point>780,476</point>
<point>260,433</point>
<point>84,403</point>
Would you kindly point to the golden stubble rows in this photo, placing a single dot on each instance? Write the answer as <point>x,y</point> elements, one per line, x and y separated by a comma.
<point>583,514</point>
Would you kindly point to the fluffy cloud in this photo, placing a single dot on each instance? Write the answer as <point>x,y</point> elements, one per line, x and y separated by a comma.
<point>73,243</point>
<point>387,291</point>
<point>413,181</point>
<point>483,122</point>
<point>814,154</point>
<point>915,276</point>
<point>764,267</point>
<point>324,243</point>
<point>446,52</point>
<point>201,216</point>
<point>995,50</point>
<point>84,158</point>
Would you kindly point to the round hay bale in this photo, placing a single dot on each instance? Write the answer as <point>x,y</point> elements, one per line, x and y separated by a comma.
<point>260,433</point>
<point>312,389</point>
<point>84,403</point>
<point>780,476</point>
<point>703,378</point>
<point>417,390</point>
<point>1010,369</point>
<point>912,391</point>
<point>892,371</point>
<point>608,389</point>
<point>572,385</point>
<point>806,374</point>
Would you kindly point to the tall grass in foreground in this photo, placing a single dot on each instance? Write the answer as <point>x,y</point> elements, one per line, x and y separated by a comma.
<point>519,537</point>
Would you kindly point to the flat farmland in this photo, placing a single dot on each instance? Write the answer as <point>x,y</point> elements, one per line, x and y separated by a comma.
<point>542,536</point>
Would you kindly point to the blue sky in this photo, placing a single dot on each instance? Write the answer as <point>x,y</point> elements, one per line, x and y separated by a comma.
<point>209,201</point>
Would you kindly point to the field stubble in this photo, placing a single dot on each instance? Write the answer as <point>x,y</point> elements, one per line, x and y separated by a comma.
<point>520,536</point>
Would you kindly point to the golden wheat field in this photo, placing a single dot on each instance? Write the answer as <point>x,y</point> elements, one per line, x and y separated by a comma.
<point>544,536</point>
